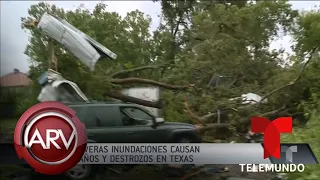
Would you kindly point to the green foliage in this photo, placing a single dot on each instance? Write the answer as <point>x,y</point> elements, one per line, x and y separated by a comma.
<point>307,35</point>
<point>17,100</point>
<point>7,103</point>
<point>7,96</point>
<point>308,134</point>
<point>173,110</point>
<point>26,99</point>
<point>128,36</point>
<point>200,39</point>
<point>234,41</point>
<point>306,32</point>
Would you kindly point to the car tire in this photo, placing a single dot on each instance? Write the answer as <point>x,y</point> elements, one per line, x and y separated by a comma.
<point>79,172</point>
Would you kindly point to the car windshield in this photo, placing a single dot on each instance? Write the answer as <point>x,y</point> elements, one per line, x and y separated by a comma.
<point>137,113</point>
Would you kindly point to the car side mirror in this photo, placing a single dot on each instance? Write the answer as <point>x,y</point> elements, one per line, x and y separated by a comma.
<point>159,120</point>
<point>156,121</point>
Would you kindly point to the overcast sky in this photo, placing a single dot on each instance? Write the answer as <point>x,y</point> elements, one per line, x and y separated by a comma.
<point>14,39</point>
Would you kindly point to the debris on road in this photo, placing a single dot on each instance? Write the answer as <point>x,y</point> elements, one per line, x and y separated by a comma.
<point>56,88</point>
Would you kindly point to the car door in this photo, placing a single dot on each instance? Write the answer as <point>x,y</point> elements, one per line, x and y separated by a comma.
<point>103,122</point>
<point>138,128</point>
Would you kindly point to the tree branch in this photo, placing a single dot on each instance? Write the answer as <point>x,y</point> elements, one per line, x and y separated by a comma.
<point>272,112</point>
<point>202,119</point>
<point>30,23</point>
<point>212,126</point>
<point>209,115</point>
<point>125,98</point>
<point>294,80</point>
<point>127,71</point>
<point>176,28</point>
<point>134,80</point>
<point>193,116</point>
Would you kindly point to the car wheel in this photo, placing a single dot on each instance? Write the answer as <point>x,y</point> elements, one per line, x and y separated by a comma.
<point>79,172</point>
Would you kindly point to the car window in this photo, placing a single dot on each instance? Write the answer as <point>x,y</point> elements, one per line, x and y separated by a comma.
<point>88,118</point>
<point>84,115</point>
<point>136,113</point>
<point>79,112</point>
<point>102,116</point>
<point>77,109</point>
<point>135,116</point>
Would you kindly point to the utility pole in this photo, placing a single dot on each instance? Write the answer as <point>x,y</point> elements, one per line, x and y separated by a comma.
<point>53,61</point>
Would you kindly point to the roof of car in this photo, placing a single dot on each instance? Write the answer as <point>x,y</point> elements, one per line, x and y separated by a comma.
<point>112,103</point>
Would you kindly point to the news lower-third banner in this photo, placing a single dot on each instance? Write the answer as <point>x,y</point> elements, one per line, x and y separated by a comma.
<point>176,153</point>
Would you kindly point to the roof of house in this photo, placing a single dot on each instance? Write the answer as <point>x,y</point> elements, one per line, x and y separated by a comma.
<point>15,79</point>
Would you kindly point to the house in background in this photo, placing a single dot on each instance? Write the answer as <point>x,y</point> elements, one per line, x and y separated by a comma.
<point>14,82</point>
<point>11,86</point>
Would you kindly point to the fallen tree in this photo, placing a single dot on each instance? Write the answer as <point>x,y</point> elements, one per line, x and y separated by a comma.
<point>204,52</point>
<point>115,79</point>
<point>202,121</point>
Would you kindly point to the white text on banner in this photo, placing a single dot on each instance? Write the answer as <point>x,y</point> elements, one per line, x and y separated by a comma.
<point>174,153</point>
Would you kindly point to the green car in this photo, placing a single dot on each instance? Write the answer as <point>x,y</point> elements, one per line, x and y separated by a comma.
<point>127,123</point>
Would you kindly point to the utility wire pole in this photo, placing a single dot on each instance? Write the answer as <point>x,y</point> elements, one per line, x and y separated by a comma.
<point>53,61</point>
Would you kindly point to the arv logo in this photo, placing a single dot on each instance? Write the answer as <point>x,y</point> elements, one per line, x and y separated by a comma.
<point>37,139</point>
<point>50,138</point>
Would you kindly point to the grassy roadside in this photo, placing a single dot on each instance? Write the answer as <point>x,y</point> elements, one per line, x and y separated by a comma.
<point>309,134</point>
